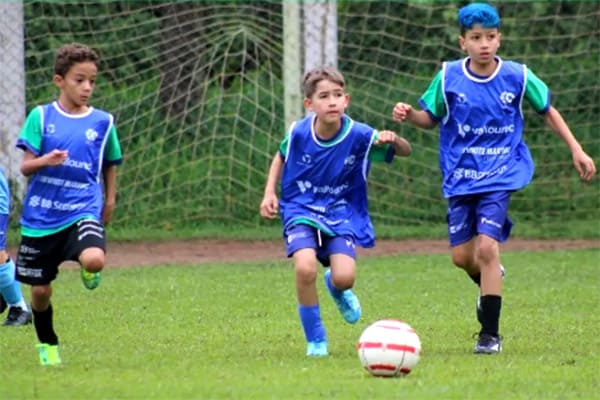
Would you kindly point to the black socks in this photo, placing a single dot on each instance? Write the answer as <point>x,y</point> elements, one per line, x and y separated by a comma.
<point>490,313</point>
<point>42,320</point>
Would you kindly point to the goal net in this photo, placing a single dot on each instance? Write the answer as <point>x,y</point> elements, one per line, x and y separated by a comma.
<point>199,94</point>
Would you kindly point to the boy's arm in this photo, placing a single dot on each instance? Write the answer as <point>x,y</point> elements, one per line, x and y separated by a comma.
<point>420,118</point>
<point>401,146</point>
<point>31,164</point>
<point>269,207</point>
<point>110,192</point>
<point>583,163</point>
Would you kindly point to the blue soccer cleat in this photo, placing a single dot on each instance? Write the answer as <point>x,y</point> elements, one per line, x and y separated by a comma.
<point>317,349</point>
<point>346,301</point>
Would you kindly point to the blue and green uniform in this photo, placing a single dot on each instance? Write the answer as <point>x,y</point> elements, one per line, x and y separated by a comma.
<point>61,195</point>
<point>482,154</point>
<point>324,182</point>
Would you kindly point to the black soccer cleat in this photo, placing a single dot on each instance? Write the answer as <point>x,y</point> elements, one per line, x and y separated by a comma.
<point>488,344</point>
<point>3,304</point>
<point>17,317</point>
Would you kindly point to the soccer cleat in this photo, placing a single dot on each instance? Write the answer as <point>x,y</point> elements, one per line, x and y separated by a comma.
<point>488,344</point>
<point>346,302</point>
<point>317,349</point>
<point>48,354</point>
<point>3,304</point>
<point>17,317</point>
<point>478,306</point>
<point>90,280</point>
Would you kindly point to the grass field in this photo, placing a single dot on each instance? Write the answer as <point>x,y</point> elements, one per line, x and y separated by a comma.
<point>232,332</point>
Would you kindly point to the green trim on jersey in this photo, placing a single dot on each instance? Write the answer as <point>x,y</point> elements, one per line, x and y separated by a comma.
<point>305,221</point>
<point>32,129</point>
<point>32,134</point>
<point>25,231</point>
<point>537,94</point>
<point>376,153</point>
<point>434,97</point>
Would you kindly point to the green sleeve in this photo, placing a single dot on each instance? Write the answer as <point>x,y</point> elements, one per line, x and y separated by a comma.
<point>113,154</point>
<point>536,92</point>
<point>432,100</point>
<point>283,146</point>
<point>30,137</point>
<point>380,153</point>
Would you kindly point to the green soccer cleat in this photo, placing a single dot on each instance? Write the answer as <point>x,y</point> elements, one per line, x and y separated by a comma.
<point>90,280</point>
<point>48,354</point>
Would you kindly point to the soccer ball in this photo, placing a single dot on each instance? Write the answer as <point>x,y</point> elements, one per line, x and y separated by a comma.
<point>389,348</point>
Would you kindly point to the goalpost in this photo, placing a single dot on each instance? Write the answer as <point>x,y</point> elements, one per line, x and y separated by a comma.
<point>203,93</point>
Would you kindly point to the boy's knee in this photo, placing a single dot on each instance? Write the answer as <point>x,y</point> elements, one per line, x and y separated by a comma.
<point>343,280</point>
<point>92,260</point>
<point>306,272</point>
<point>487,250</point>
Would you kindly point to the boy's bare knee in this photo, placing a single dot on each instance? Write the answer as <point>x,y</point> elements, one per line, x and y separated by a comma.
<point>92,259</point>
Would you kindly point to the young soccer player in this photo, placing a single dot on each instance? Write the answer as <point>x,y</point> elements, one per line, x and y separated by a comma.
<point>323,162</point>
<point>477,102</point>
<point>11,296</point>
<point>71,153</point>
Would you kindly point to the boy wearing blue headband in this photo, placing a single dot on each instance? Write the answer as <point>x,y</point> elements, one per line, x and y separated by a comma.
<point>483,158</point>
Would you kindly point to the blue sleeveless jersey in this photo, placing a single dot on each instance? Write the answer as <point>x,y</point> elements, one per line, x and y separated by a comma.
<point>481,136</point>
<point>65,193</point>
<point>326,181</point>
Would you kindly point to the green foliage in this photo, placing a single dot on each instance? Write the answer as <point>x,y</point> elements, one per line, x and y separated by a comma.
<point>232,332</point>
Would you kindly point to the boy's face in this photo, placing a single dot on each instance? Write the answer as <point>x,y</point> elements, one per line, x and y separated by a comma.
<point>77,85</point>
<point>329,101</point>
<point>481,44</point>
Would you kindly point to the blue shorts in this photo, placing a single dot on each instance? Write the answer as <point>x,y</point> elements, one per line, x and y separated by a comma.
<point>481,213</point>
<point>301,236</point>
<point>3,231</point>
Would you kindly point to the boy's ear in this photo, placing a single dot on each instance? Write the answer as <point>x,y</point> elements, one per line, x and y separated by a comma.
<point>307,104</point>
<point>461,42</point>
<point>57,79</point>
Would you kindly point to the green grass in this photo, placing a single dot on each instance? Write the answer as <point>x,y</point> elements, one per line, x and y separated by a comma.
<point>232,332</point>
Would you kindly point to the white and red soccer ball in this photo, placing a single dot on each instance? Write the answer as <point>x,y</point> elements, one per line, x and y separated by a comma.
<point>389,348</point>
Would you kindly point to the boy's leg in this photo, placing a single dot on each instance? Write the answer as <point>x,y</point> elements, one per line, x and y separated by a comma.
<point>33,253</point>
<point>305,264</point>
<point>493,226</point>
<point>301,243</point>
<point>86,244</point>
<point>10,290</point>
<point>339,279</point>
<point>43,322</point>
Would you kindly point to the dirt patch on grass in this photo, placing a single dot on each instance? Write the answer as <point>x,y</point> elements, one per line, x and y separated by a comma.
<point>129,254</point>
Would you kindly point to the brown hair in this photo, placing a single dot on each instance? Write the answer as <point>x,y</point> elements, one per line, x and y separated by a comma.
<point>313,77</point>
<point>71,54</point>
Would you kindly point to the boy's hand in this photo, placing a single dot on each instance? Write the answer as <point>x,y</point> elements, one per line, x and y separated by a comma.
<point>269,207</point>
<point>385,137</point>
<point>56,157</point>
<point>584,165</point>
<point>401,111</point>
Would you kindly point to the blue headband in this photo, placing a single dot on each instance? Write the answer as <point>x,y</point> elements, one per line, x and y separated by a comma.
<point>478,14</point>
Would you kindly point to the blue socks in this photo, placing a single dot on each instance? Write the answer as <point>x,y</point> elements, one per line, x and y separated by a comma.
<point>310,316</point>
<point>9,286</point>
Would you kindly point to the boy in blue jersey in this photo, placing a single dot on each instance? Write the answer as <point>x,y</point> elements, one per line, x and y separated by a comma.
<point>71,153</point>
<point>11,296</point>
<point>477,102</point>
<point>324,161</point>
